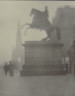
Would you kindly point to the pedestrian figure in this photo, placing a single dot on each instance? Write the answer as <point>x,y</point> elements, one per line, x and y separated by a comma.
<point>11,69</point>
<point>6,69</point>
<point>74,69</point>
<point>67,68</point>
<point>67,64</point>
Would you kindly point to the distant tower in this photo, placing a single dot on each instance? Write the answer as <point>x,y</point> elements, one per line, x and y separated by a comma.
<point>18,52</point>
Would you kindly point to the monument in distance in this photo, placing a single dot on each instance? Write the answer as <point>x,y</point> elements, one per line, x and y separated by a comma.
<point>43,57</point>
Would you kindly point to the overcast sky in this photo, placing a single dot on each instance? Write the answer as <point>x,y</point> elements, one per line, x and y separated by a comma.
<point>11,12</point>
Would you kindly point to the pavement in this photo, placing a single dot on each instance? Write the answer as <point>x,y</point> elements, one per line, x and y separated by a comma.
<point>36,85</point>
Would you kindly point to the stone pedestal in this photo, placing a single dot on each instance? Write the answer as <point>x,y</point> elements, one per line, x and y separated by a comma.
<point>43,58</point>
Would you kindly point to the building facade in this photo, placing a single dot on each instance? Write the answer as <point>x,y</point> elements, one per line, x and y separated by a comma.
<point>65,20</point>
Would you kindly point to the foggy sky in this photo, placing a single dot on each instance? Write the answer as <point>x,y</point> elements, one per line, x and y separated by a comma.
<point>11,12</point>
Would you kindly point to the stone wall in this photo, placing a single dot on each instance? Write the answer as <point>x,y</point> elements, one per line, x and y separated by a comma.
<point>42,53</point>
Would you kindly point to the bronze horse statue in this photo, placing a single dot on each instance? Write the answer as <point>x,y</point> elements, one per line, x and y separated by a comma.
<point>40,21</point>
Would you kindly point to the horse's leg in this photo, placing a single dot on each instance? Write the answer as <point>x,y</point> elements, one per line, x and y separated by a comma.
<point>27,29</point>
<point>25,25</point>
<point>44,39</point>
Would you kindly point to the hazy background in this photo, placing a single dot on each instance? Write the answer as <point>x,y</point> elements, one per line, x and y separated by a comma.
<point>11,12</point>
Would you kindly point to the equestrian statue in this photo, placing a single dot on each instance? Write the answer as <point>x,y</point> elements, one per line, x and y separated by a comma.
<point>40,21</point>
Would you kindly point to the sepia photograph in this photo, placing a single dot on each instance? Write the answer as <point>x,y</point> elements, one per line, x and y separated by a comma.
<point>37,48</point>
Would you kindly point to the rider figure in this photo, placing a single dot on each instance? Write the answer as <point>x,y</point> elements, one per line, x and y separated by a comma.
<point>46,12</point>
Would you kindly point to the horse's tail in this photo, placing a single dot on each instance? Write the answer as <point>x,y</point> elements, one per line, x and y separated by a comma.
<point>49,31</point>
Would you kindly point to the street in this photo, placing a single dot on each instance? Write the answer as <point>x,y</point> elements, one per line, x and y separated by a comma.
<point>36,85</point>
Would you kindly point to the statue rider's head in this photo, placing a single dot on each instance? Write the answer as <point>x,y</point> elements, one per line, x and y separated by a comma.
<point>46,8</point>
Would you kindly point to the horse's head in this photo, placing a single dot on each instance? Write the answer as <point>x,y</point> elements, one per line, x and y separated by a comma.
<point>32,11</point>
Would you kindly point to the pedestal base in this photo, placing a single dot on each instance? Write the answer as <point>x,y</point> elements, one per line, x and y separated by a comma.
<point>43,58</point>
<point>35,70</point>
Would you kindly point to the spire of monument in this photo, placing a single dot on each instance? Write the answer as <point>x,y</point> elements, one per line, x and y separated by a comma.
<point>18,36</point>
<point>17,53</point>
